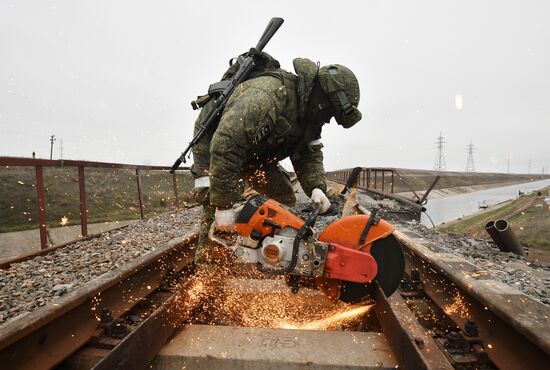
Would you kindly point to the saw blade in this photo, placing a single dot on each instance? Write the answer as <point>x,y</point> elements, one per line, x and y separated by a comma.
<point>391,263</point>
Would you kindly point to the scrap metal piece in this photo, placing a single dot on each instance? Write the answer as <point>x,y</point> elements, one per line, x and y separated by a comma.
<point>424,198</point>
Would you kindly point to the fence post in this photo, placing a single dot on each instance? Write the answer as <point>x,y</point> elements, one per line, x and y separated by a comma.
<point>175,182</point>
<point>383,179</point>
<point>41,207</point>
<point>83,208</point>
<point>140,196</point>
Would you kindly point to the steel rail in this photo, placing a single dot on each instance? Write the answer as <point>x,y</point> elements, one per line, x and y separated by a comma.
<point>141,345</point>
<point>414,348</point>
<point>507,319</point>
<point>513,326</point>
<point>412,345</point>
<point>45,337</point>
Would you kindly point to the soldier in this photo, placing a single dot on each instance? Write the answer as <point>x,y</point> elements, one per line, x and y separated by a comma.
<point>273,115</point>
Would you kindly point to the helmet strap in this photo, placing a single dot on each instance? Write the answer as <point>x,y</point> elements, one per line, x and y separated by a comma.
<point>347,108</point>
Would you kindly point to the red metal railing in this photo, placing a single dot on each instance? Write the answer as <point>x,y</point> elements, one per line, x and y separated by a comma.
<point>39,165</point>
<point>369,178</point>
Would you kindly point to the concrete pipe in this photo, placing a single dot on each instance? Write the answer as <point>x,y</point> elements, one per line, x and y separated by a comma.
<point>490,228</point>
<point>508,237</point>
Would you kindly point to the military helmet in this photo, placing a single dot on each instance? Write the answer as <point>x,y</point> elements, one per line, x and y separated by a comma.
<point>342,88</point>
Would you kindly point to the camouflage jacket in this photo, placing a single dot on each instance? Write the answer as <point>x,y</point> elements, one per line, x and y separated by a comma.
<point>263,122</point>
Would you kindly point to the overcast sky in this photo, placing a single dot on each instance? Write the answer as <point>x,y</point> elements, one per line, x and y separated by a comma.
<point>113,79</point>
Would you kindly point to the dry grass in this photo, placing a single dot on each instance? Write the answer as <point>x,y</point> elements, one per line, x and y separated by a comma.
<point>111,195</point>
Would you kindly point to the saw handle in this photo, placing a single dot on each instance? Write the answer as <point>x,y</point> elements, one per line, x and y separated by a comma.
<point>302,233</point>
<point>313,217</point>
<point>212,236</point>
<point>372,221</point>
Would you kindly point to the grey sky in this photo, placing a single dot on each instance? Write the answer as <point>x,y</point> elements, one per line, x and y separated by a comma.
<point>114,79</point>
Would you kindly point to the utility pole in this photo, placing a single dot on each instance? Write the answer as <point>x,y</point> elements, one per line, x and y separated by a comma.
<point>470,163</point>
<point>440,164</point>
<point>52,139</point>
<point>61,149</point>
<point>508,163</point>
<point>529,166</point>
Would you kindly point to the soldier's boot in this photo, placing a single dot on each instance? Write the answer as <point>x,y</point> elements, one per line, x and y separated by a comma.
<point>204,244</point>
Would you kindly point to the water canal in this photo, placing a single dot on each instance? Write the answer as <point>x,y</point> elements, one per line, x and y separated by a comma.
<point>450,208</point>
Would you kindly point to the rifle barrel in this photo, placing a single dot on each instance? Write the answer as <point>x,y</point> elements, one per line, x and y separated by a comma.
<point>270,30</point>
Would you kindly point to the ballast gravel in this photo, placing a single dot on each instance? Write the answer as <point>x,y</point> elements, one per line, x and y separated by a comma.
<point>531,278</point>
<point>28,285</point>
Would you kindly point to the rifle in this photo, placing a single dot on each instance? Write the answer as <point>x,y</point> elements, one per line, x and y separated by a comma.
<point>225,88</point>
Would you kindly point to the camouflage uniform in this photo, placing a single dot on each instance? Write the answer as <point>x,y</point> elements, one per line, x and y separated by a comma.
<point>264,121</point>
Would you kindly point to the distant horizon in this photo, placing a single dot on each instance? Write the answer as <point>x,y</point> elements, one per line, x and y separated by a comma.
<point>326,170</point>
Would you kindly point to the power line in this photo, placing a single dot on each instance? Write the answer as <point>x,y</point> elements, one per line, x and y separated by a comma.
<point>440,164</point>
<point>470,167</point>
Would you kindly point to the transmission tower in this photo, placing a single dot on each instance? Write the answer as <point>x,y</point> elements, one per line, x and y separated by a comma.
<point>61,149</point>
<point>52,139</point>
<point>440,164</point>
<point>529,171</point>
<point>470,167</point>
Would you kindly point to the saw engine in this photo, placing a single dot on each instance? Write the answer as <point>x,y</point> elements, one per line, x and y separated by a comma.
<point>345,260</point>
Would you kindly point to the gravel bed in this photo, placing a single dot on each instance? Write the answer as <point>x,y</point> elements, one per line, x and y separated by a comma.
<point>531,278</point>
<point>28,285</point>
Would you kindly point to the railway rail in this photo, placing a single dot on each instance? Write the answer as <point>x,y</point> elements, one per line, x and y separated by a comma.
<point>445,315</point>
<point>43,338</point>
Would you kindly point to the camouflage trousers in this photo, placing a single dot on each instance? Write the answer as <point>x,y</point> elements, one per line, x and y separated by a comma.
<point>271,180</point>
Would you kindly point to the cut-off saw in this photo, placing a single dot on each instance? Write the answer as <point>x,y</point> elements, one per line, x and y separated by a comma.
<point>346,259</point>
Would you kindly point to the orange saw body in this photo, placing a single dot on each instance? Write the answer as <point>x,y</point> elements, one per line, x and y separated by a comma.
<point>344,262</point>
